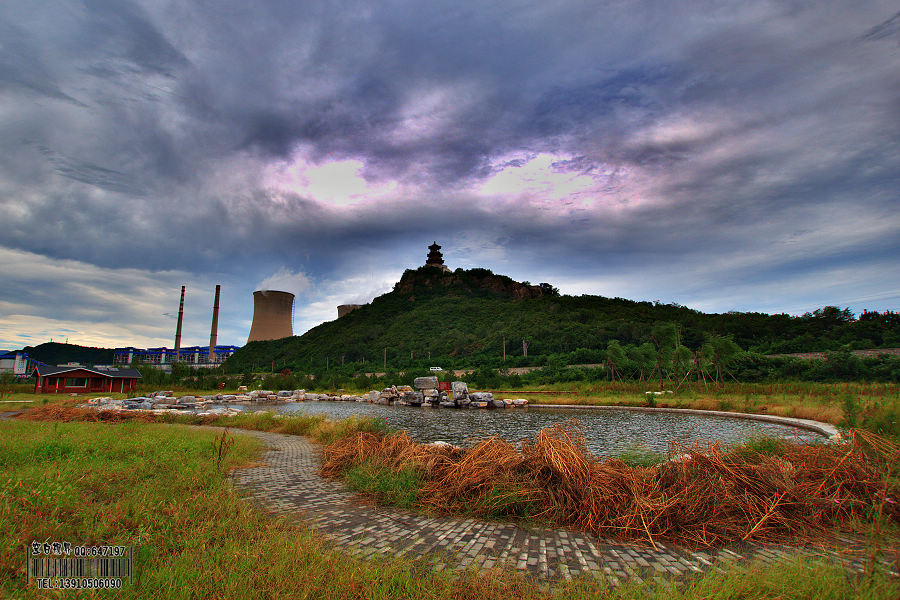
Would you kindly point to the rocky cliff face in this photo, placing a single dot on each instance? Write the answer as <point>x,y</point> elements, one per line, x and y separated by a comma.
<point>471,282</point>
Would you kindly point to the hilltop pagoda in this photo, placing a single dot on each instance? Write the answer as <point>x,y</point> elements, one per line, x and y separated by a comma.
<point>435,258</point>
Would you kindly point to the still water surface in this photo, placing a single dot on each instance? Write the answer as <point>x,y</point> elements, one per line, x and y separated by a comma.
<point>608,432</point>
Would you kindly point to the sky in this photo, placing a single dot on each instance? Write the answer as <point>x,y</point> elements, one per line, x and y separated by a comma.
<point>724,156</point>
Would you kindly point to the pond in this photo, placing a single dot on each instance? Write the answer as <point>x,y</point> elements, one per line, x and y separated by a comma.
<point>608,432</point>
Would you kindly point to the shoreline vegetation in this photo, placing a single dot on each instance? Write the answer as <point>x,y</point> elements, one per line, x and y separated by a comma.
<point>871,406</point>
<point>164,488</point>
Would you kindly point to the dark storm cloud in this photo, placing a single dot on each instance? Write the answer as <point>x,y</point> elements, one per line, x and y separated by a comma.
<point>760,140</point>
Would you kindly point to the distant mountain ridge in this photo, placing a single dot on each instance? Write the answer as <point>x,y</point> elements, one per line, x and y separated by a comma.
<point>54,353</point>
<point>464,317</point>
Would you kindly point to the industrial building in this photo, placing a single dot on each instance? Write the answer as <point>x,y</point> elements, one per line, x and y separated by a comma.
<point>195,356</point>
<point>17,363</point>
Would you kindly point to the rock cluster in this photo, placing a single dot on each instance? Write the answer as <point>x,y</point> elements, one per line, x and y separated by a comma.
<point>424,392</point>
<point>427,394</point>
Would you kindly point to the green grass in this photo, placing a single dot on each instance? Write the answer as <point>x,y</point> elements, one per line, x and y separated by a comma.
<point>508,501</point>
<point>159,488</point>
<point>391,488</point>
<point>641,456</point>
<point>759,446</point>
<point>792,579</point>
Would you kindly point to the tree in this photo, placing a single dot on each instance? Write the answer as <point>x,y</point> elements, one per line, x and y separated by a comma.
<point>720,349</point>
<point>642,356</point>
<point>615,359</point>
<point>664,336</point>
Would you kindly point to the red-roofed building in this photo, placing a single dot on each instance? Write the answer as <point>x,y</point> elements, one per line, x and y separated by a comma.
<point>87,380</point>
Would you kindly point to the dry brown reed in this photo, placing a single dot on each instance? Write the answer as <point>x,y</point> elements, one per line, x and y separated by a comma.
<point>705,496</point>
<point>65,414</point>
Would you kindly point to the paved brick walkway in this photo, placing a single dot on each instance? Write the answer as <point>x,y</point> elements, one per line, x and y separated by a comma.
<point>289,484</point>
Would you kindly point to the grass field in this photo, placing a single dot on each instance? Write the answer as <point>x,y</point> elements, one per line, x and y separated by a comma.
<point>162,489</point>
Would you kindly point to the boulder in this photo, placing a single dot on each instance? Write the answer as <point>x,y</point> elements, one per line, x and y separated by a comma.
<point>460,389</point>
<point>440,444</point>
<point>413,398</point>
<point>425,383</point>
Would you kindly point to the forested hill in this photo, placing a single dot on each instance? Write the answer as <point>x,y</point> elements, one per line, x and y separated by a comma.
<point>53,353</point>
<point>461,318</point>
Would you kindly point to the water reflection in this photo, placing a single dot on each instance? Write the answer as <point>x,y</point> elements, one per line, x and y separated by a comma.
<point>608,432</point>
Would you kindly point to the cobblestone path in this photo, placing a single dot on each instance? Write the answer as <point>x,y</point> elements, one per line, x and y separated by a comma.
<point>289,484</point>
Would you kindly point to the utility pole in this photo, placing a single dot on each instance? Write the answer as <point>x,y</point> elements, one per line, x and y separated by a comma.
<point>326,363</point>
<point>384,361</point>
<point>504,348</point>
<point>524,348</point>
<point>342,360</point>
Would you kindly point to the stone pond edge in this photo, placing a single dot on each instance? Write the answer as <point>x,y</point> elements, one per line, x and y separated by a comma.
<point>826,429</point>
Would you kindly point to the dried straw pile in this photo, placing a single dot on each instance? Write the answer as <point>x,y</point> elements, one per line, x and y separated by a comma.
<point>705,498</point>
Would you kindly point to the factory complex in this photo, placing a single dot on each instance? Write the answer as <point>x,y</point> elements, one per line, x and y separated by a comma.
<point>192,355</point>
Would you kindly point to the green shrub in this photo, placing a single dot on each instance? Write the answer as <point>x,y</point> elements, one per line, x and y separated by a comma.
<point>850,404</point>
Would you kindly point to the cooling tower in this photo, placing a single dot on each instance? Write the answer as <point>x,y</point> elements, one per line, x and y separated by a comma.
<point>272,312</point>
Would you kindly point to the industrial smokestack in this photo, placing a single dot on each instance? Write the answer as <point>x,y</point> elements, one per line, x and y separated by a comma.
<point>272,312</point>
<point>213,333</point>
<point>178,327</point>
